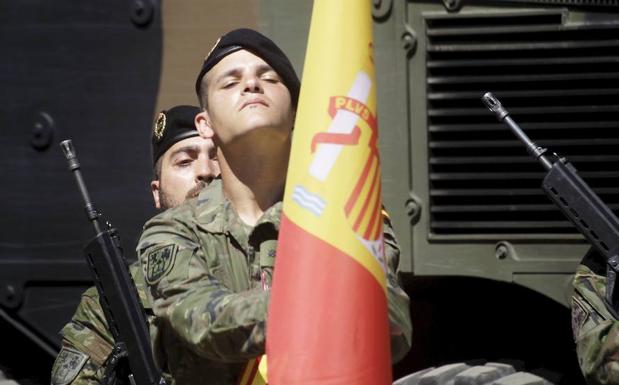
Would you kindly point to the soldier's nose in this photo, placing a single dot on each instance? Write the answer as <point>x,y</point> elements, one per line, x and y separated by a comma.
<point>252,84</point>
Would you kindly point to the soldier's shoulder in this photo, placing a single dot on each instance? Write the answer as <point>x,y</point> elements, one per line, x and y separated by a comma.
<point>88,307</point>
<point>173,215</point>
<point>588,278</point>
<point>91,294</point>
<point>209,199</point>
<point>174,223</point>
<point>589,293</point>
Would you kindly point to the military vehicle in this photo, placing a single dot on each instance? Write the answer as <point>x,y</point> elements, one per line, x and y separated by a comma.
<point>486,258</point>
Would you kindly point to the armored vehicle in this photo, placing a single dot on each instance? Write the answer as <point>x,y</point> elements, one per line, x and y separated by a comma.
<point>486,258</point>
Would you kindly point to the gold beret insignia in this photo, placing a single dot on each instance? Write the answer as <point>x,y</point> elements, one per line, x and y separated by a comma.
<point>212,49</point>
<point>159,127</point>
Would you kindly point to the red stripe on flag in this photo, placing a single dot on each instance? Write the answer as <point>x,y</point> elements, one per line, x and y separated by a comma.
<point>336,138</point>
<point>376,217</point>
<point>379,215</point>
<point>360,183</point>
<point>249,371</point>
<point>328,321</point>
<point>367,200</point>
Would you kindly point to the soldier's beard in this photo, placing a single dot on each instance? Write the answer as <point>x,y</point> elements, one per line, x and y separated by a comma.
<point>167,201</point>
<point>195,190</point>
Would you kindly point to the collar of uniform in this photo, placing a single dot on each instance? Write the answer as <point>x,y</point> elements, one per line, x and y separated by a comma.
<point>271,215</point>
<point>208,206</point>
<point>233,225</point>
<point>267,226</point>
<point>226,220</point>
<point>211,193</point>
<point>214,216</point>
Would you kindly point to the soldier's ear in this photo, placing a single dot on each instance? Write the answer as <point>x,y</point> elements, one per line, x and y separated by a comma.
<point>203,125</point>
<point>154,188</point>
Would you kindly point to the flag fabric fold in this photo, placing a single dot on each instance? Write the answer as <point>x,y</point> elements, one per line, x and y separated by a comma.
<point>328,319</point>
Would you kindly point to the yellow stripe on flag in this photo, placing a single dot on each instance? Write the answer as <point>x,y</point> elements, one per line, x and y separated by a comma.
<point>328,321</point>
<point>335,163</point>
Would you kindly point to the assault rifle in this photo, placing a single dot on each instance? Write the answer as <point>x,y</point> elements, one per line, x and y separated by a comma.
<point>576,200</point>
<point>118,296</point>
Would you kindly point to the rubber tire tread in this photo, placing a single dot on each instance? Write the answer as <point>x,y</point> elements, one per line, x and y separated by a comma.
<point>492,373</point>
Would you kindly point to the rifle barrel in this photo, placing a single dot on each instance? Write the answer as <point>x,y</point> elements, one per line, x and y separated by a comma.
<point>495,106</point>
<point>74,166</point>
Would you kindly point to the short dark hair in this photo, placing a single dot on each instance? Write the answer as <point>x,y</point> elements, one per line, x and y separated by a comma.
<point>157,168</point>
<point>202,94</point>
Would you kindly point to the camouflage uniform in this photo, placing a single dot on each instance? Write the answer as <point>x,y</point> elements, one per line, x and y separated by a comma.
<point>596,331</point>
<point>87,341</point>
<point>209,276</point>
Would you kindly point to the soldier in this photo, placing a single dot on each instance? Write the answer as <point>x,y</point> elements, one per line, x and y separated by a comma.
<point>184,163</point>
<point>595,326</point>
<point>208,263</point>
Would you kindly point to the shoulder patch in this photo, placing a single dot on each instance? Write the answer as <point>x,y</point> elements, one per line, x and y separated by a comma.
<point>159,262</point>
<point>67,366</point>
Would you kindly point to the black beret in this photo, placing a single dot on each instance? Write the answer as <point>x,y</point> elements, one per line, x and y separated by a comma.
<point>172,126</point>
<point>259,45</point>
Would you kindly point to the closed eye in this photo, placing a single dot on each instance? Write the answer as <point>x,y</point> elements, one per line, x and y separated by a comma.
<point>184,162</point>
<point>229,84</point>
<point>270,76</point>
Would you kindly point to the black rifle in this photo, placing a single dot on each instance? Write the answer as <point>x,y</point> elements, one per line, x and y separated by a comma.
<point>118,296</point>
<point>576,200</point>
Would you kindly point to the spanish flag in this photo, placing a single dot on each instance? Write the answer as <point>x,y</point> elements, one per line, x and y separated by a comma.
<point>328,320</point>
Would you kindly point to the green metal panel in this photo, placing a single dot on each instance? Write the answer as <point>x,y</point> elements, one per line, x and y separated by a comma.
<point>509,256</point>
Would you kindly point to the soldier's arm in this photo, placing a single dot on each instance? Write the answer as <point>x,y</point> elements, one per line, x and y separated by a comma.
<point>86,345</point>
<point>211,319</point>
<point>596,332</point>
<point>89,372</point>
<point>398,301</point>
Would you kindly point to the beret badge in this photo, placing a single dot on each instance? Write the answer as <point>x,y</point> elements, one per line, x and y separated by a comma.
<point>159,127</point>
<point>212,48</point>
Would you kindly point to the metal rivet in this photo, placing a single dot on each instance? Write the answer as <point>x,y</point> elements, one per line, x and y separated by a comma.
<point>409,40</point>
<point>413,208</point>
<point>43,130</point>
<point>142,12</point>
<point>501,252</point>
<point>452,5</point>
<point>381,9</point>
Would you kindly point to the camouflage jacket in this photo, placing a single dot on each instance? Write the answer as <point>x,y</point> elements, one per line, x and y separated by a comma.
<point>209,276</point>
<point>596,331</point>
<point>87,342</point>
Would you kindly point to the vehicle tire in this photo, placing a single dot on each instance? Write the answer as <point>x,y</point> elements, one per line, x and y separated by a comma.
<point>492,373</point>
